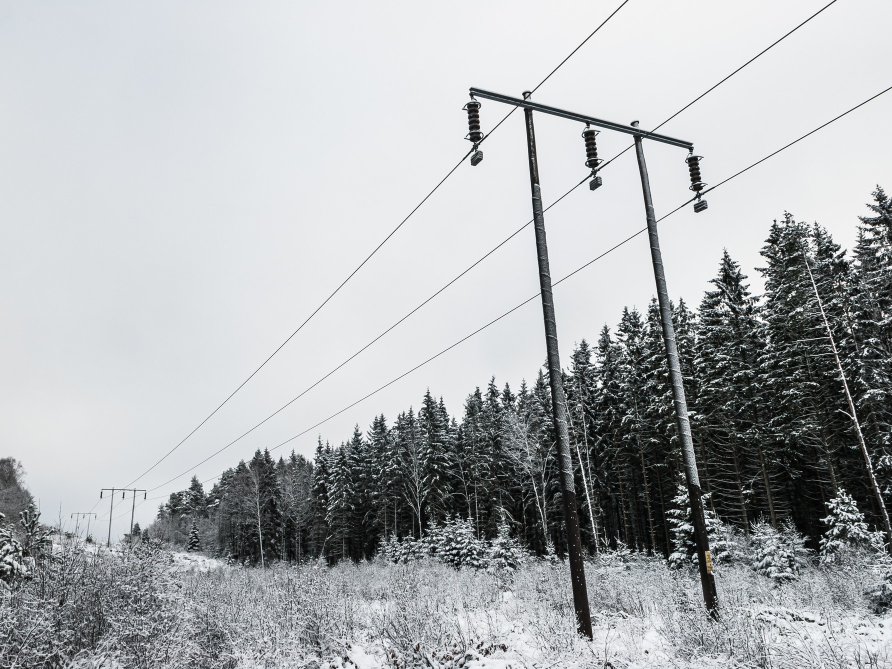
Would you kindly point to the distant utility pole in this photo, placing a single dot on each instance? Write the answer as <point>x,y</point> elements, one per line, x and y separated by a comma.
<point>80,515</point>
<point>123,492</point>
<point>577,568</point>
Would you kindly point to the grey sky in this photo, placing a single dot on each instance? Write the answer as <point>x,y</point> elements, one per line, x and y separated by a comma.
<point>181,184</point>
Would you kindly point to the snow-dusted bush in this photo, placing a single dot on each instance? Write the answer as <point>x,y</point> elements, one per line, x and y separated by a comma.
<point>13,561</point>
<point>846,528</point>
<point>401,551</point>
<point>35,539</point>
<point>880,597</point>
<point>778,554</point>
<point>455,543</point>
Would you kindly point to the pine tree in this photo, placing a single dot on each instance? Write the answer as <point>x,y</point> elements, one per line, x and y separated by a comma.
<point>505,553</point>
<point>320,502</point>
<point>436,456</point>
<point>194,544</point>
<point>778,554</point>
<point>195,501</point>
<point>845,527</point>
<point>801,381</point>
<point>730,407</point>
<point>871,298</point>
<point>456,544</point>
<point>721,543</point>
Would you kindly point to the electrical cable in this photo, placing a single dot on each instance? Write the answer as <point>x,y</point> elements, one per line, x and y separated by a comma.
<point>373,341</point>
<point>515,233</point>
<point>369,257</point>
<point>571,274</point>
<point>724,79</point>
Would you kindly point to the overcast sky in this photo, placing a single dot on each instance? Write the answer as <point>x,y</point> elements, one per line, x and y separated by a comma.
<point>182,184</point>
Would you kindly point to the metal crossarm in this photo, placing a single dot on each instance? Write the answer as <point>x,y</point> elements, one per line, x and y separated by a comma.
<point>554,111</point>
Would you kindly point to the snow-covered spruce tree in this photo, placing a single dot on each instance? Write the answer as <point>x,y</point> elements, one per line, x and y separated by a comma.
<point>456,544</point>
<point>845,527</point>
<point>871,294</point>
<point>194,544</point>
<point>13,562</point>
<point>505,553</point>
<point>722,541</point>
<point>731,408</point>
<point>808,409</point>
<point>777,554</point>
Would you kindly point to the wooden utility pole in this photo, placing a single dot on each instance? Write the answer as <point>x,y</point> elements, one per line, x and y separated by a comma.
<point>695,495</point>
<point>123,492</point>
<point>559,409</point>
<point>78,515</point>
<point>558,399</point>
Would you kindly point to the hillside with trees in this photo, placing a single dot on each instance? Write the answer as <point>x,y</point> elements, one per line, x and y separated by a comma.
<point>771,427</point>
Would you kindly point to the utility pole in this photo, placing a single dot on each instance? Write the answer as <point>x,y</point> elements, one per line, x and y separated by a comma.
<point>78,516</point>
<point>559,410</point>
<point>704,557</point>
<point>853,415</point>
<point>133,508</point>
<point>123,492</point>
<point>558,399</point>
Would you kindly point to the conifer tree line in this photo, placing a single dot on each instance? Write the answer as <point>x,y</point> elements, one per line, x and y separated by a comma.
<point>770,423</point>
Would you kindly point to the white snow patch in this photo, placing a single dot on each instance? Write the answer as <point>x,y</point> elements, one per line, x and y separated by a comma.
<point>196,562</point>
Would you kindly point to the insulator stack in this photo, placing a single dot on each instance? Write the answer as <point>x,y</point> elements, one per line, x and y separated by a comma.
<point>591,147</point>
<point>475,135</point>
<point>694,168</point>
<point>591,156</point>
<point>697,183</point>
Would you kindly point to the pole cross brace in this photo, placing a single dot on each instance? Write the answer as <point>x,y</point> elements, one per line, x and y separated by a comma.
<point>601,123</point>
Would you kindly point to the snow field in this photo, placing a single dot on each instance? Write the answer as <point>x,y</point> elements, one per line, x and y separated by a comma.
<point>153,608</point>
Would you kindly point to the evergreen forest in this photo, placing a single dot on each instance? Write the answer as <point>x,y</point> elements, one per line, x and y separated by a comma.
<point>772,429</point>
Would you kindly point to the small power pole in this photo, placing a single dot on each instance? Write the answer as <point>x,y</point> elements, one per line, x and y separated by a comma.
<point>133,508</point>
<point>123,492</point>
<point>701,539</point>
<point>85,514</point>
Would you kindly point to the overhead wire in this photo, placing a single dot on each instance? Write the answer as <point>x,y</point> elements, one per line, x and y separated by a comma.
<point>369,257</point>
<point>568,276</point>
<point>377,248</point>
<point>726,78</point>
<point>516,232</point>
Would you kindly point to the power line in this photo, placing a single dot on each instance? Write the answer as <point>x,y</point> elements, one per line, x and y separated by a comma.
<point>573,273</point>
<point>512,235</point>
<point>369,257</point>
<point>369,344</point>
<point>308,319</point>
<point>726,78</point>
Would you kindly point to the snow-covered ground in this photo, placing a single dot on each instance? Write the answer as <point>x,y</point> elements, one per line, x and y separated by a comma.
<point>196,562</point>
<point>161,609</point>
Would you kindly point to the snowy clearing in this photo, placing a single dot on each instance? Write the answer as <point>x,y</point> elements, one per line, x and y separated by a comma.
<point>152,608</point>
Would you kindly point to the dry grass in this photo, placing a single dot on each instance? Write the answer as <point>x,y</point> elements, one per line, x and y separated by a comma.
<point>138,609</point>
